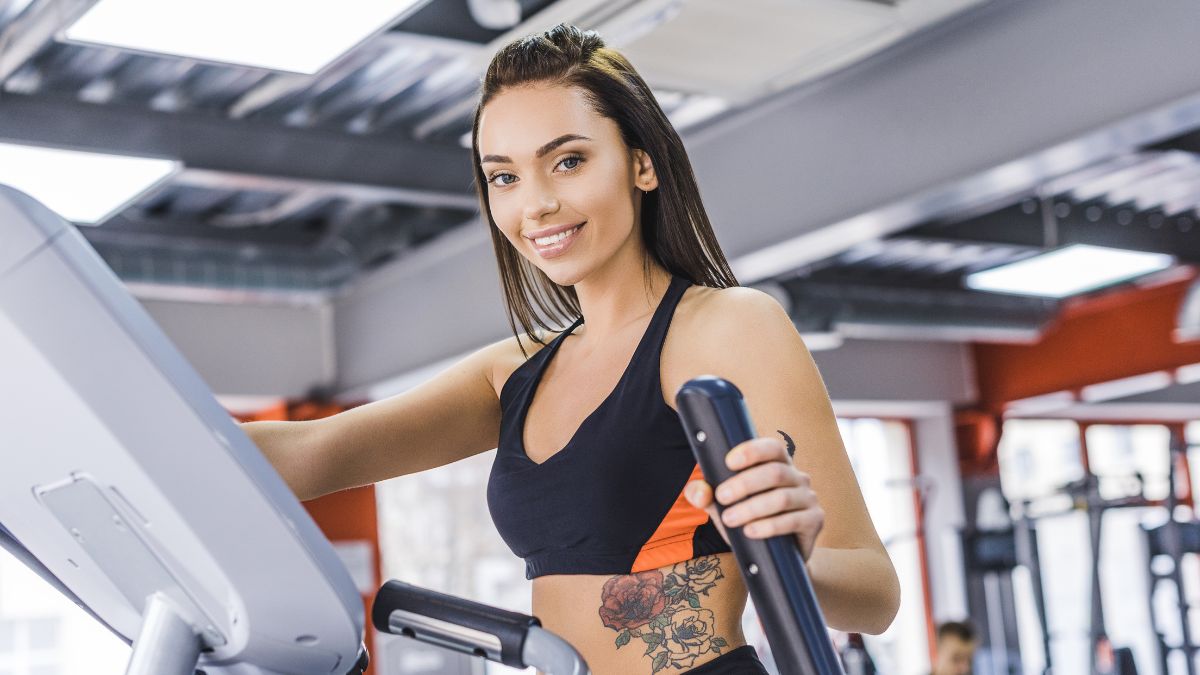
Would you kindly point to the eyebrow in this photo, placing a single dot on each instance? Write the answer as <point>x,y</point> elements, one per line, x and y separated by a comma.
<point>541,152</point>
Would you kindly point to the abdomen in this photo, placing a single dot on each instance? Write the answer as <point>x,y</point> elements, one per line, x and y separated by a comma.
<point>683,614</point>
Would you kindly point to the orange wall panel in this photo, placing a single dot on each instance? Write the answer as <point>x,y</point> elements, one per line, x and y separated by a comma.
<point>1116,335</point>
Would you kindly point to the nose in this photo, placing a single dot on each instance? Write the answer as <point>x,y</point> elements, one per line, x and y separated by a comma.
<point>541,204</point>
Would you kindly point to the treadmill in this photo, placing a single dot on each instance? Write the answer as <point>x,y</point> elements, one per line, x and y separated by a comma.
<point>132,491</point>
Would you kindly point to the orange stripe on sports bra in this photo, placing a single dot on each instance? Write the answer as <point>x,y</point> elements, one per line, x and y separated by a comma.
<point>672,541</point>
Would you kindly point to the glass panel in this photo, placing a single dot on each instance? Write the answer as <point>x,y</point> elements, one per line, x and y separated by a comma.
<point>1038,456</point>
<point>1118,453</point>
<point>1065,556</point>
<point>1065,551</point>
<point>43,633</point>
<point>44,628</point>
<point>461,552</point>
<point>1124,582</point>
<point>881,455</point>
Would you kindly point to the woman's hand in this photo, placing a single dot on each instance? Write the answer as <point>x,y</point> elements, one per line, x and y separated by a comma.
<point>768,494</point>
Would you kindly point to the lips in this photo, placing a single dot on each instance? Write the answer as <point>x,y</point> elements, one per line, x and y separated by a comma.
<point>551,231</point>
<point>559,247</point>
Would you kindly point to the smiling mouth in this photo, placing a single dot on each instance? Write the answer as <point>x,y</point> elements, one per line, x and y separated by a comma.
<point>551,240</point>
<point>558,244</point>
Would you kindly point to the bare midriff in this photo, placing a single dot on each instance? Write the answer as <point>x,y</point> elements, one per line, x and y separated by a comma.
<point>674,617</point>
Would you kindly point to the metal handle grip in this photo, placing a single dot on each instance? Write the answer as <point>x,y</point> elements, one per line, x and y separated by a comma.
<point>511,638</point>
<point>715,419</point>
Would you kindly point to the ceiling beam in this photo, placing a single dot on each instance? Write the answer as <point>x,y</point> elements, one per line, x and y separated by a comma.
<point>34,29</point>
<point>208,142</point>
<point>987,104</point>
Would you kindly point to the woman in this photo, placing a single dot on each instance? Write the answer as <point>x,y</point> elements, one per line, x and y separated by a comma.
<point>594,212</point>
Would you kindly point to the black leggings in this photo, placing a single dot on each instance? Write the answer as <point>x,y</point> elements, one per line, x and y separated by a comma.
<point>740,661</point>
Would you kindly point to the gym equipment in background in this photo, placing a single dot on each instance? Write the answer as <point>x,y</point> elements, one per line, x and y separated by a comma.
<point>1170,541</point>
<point>1104,657</point>
<point>855,657</point>
<point>715,418</point>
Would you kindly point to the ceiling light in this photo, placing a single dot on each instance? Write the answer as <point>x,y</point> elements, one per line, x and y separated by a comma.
<point>299,37</point>
<point>1041,404</point>
<point>697,109</point>
<point>83,187</point>
<point>822,341</point>
<point>1068,271</point>
<point>1188,374</point>
<point>1126,386</point>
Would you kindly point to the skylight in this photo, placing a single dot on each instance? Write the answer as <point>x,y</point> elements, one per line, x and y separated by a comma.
<point>1068,271</point>
<point>299,37</point>
<point>83,187</point>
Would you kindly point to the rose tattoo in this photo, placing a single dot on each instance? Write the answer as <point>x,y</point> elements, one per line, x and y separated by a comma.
<point>664,612</point>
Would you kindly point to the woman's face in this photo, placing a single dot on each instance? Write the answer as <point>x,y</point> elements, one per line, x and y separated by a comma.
<point>552,163</point>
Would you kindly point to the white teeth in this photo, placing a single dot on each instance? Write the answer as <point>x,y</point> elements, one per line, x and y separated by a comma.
<point>554,238</point>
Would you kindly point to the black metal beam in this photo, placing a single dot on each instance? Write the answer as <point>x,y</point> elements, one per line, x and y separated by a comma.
<point>242,146</point>
<point>1092,222</point>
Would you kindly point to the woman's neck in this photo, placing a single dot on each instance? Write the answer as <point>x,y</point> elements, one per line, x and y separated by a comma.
<point>610,302</point>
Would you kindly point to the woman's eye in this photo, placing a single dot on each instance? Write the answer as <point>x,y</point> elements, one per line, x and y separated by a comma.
<point>495,179</point>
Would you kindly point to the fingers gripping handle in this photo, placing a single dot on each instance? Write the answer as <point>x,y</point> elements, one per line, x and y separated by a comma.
<point>715,419</point>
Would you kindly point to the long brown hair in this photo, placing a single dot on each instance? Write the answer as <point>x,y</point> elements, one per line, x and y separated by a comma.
<point>674,227</point>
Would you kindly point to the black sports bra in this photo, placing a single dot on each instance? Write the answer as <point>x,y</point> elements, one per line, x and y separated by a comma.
<point>611,501</point>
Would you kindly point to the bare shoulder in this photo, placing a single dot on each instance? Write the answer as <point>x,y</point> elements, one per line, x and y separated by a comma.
<point>709,317</point>
<point>713,325</point>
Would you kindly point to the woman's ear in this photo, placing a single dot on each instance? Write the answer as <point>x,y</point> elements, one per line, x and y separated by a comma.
<point>644,178</point>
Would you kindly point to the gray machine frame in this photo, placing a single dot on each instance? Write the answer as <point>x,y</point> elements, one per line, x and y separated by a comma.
<point>131,490</point>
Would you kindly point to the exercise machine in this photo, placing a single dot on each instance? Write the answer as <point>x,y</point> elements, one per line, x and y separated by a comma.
<point>130,490</point>
<point>1084,494</point>
<point>133,492</point>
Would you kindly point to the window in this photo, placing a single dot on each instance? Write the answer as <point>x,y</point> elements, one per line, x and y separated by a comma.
<point>1118,454</point>
<point>31,647</point>
<point>1191,436</point>
<point>881,453</point>
<point>461,553</point>
<point>1037,457</point>
<point>44,633</point>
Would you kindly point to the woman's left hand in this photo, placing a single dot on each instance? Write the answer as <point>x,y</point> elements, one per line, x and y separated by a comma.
<point>767,497</point>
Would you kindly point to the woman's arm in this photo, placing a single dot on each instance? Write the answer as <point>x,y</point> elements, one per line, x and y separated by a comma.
<point>748,339</point>
<point>291,448</point>
<point>454,415</point>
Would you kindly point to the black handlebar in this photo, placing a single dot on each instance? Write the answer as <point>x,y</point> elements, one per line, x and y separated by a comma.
<point>716,420</point>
